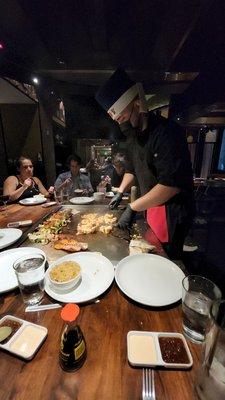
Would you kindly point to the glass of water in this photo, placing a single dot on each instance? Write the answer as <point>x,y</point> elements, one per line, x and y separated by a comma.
<point>30,273</point>
<point>198,295</point>
<point>210,382</point>
<point>58,194</point>
<point>65,195</point>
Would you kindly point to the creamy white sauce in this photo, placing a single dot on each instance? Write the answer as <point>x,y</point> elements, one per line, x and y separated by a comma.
<point>142,349</point>
<point>28,341</point>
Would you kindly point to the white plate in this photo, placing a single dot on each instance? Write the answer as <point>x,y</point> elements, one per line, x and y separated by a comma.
<point>78,191</point>
<point>31,201</point>
<point>8,279</point>
<point>82,200</point>
<point>97,276</point>
<point>9,236</point>
<point>150,279</point>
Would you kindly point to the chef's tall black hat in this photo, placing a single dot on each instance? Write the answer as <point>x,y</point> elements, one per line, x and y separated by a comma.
<point>117,93</point>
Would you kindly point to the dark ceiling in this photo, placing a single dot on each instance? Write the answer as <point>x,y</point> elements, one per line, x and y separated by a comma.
<point>76,45</point>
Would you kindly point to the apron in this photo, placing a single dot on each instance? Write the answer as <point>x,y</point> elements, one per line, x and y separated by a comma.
<point>163,219</point>
<point>156,219</point>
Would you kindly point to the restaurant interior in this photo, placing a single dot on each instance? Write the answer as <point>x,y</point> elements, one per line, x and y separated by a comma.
<point>54,56</point>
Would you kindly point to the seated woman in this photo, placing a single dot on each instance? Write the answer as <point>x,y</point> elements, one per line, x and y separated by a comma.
<point>24,184</point>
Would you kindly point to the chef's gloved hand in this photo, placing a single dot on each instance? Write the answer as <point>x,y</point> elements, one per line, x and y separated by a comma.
<point>126,218</point>
<point>116,200</point>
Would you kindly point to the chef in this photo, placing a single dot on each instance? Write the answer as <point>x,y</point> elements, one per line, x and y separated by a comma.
<point>158,158</point>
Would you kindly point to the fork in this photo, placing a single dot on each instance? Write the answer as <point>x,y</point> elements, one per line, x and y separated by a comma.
<point>148,384</point>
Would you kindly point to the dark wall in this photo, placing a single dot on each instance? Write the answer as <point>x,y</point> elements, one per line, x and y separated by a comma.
<point>3,164</point>
<point>21,129</point>
<point>86,119</point>
<point>20,135</point>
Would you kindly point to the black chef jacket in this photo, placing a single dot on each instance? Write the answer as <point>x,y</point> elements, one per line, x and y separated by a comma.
<point>160,154</point>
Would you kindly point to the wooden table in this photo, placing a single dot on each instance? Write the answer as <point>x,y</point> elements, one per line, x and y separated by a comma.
<point>106,374</point>
<point>17,212</point>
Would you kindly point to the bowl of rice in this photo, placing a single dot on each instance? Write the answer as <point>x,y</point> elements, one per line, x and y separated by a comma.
<point>65,276</point>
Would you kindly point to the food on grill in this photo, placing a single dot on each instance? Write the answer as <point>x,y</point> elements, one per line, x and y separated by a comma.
<point>140,246</point>
<point>65,271</point>
<point>84,229</point>
<point>50,228</point>
<point>91,223</point>
<point>107,219</point>
<point>106,229</point>
<point>69,244</point>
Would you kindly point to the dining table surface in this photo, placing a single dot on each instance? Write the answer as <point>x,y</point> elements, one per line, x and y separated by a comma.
<point>105,322</point>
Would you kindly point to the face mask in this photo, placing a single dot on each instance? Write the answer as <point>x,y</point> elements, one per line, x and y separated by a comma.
<point>127,129</point>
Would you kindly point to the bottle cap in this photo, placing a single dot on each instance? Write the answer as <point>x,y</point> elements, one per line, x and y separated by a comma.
<point>70,312</point>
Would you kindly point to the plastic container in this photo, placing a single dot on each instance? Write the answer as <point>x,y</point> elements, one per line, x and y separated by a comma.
<point>25,339</point>
<point>158,349</point>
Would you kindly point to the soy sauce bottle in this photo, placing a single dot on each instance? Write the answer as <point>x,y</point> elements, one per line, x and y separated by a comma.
<point>73,351</point>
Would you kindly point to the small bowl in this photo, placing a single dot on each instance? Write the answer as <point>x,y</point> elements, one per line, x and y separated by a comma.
<point>64,286</point>
<point>98,196</point>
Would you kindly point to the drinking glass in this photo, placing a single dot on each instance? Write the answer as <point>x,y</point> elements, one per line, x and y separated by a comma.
<point>30,273</point>
<point>3,200</point>
<point>58,195</point>
<point>197,297</point>
<point>65,195</point>
<point>210,382</point>
<point>101,189</point>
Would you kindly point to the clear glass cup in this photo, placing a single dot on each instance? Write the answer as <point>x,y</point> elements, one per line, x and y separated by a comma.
<point>58,195</point>
<point>210,382</point>
<point>30,273</point>
<point>101,189</point>
<point>198,294</point>
<point>3,203</point>
<point>65,195</point>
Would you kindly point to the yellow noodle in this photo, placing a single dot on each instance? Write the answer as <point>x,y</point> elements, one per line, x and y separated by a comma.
<point>65,271</point>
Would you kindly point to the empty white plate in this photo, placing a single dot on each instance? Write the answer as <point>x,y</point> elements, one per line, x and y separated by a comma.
<point>9,236</point>
<point>8,279</point>
<point>150,279</point>
<point>82,200</point>
<point>97,275</point>
<point>32,201</point>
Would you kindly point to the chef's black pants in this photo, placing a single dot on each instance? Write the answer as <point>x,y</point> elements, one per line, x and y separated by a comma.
<point>174,249</point>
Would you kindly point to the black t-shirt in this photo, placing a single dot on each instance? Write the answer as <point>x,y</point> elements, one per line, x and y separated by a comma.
<point>160,154</point>
<point>115,178</point>
<point>30,191</point>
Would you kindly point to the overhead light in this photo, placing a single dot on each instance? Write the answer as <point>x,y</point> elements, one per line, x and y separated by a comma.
<point>1,46</point>
<point>61,61</point>
<point>178,118</point>
<point>35,80</point>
